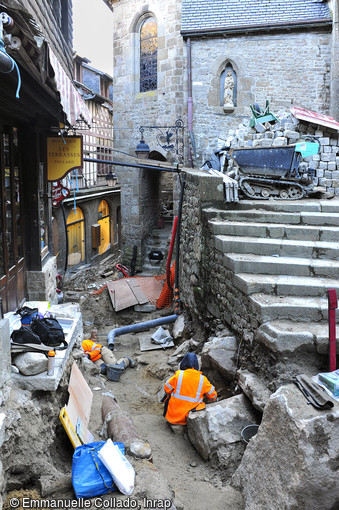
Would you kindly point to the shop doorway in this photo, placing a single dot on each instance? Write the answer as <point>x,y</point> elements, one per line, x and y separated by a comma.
<point>12,263</point>
<point>76,237</point>
<point>104,222</point>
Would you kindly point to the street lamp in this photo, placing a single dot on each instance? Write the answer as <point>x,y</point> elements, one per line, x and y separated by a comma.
<point>142,150</point>
<point>111,179</point>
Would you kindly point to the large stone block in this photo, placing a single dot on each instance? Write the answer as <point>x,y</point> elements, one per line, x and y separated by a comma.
<point>254,388</point>
<point>216,431</point>
<point>293,459</point>
<point>31,363</point>
<point>220,353</point>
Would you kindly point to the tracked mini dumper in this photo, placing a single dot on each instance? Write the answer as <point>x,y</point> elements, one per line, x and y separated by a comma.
<point>273,172</point>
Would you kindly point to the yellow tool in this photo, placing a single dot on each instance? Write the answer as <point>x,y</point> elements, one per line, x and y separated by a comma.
<point>67,424</point>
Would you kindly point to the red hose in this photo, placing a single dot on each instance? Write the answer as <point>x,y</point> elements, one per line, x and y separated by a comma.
<point>170,252</point>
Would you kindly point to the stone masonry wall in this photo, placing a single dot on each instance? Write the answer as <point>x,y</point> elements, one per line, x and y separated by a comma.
<point>205,284</point>
<point>160,107</point>
<point>282,68</point>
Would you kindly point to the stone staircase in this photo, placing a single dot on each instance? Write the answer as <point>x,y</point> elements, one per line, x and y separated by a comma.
<point>159,240</point>
<point>284,256</point>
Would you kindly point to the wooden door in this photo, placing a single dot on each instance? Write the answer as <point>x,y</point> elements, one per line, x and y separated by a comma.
<point>12,264</point>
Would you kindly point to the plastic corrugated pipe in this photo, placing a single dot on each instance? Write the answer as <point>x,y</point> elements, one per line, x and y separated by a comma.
<point>140,326</point>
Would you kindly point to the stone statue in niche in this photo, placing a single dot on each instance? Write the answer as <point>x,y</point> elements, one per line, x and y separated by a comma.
<point>228,91</point>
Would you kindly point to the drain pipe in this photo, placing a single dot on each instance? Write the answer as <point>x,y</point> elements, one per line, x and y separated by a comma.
<point>140,326</point>
<point>189,98</point>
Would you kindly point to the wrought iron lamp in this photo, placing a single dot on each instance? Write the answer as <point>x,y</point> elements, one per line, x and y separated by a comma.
<point>142,150</point>
<point>111,179</point>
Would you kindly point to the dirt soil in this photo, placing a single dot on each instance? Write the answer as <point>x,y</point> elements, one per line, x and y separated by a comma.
<point>193,480</point>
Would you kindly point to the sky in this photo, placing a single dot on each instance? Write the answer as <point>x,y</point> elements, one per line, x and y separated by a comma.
<point>93,33</point>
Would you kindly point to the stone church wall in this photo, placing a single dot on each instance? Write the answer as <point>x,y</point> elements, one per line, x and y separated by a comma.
<point>160,107</point>
<point>282,67</point>
<point>285,68</point>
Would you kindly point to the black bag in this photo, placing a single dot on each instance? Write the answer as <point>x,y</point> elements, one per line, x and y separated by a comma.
<point>25,335</point>
<point>313,392</point>
<point>49,331</point>
<point>26,313</point>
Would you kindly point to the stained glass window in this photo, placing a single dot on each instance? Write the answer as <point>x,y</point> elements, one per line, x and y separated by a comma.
<point>148,55</point>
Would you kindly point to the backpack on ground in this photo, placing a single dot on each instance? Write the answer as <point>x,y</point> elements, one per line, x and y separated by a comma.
<point>49,331</point>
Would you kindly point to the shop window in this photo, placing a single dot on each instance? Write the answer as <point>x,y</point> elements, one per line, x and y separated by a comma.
<point>104,222</point>
<point>105,154</point>
<point>148,55</point>
<point>76,236</point>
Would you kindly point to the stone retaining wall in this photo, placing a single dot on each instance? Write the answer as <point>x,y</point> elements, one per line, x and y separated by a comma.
<point>205,283</point>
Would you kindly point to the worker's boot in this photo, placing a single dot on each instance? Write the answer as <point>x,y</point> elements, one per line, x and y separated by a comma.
<point>123,362</point>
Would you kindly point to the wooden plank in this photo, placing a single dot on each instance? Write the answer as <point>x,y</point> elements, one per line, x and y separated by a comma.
<point>121,295</point>
<point>136,289</point>
<point>80,397</point>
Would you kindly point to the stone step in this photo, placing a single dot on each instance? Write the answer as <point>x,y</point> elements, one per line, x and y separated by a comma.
<point>303,309</point>
<point>266,216</point>
<point>305,204</point>
<point>321,206</point>
<point>284,285</point>
<point>286,336</point>
<point>250,263</point>
<point>279,247</point>
<point>274,230</point>
<point>151,270</point>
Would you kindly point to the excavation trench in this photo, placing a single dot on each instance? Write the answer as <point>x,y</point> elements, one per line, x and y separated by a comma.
<point>38,461</point>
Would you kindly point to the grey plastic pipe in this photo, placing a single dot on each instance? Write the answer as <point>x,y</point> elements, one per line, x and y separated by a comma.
<point>140,326</point>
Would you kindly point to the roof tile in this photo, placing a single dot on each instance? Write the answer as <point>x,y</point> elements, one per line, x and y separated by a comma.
<point>209,14</point>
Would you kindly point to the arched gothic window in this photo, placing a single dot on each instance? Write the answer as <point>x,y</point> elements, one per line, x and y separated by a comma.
<point>148,55</point>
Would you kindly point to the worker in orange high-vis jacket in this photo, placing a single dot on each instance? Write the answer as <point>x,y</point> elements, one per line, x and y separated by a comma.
<point>98,353</point>
<point>186,390</point>
<point>92,349</point>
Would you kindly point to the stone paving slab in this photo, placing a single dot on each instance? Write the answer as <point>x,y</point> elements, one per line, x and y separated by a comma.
<point>281,205</point>
<point>284,285</point>
<point>256,216</point>
<point>309,218</point>
<point>287,336</point>
<point>250,263</point>
<point>268,308</point>
<point>280,247</point>
<point>274,231</point>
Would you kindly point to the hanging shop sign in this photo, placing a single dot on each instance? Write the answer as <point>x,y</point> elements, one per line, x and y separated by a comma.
<point>63,155</point>
<point>59,193</point>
